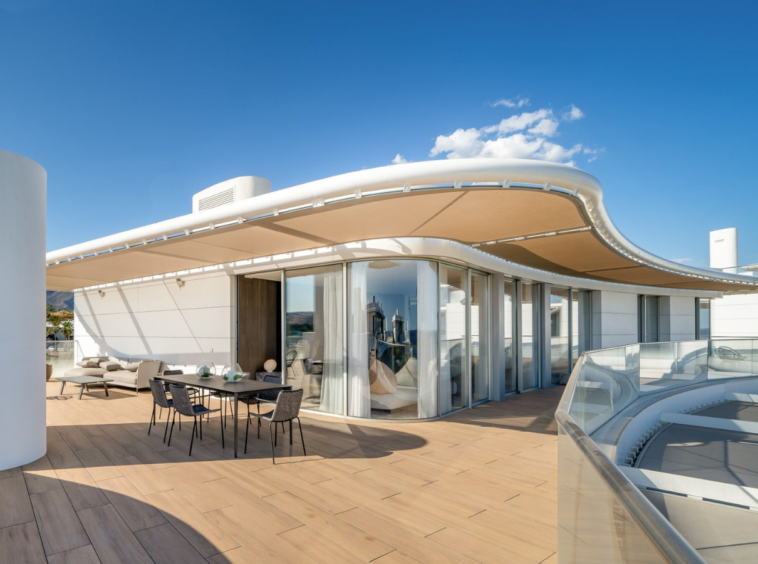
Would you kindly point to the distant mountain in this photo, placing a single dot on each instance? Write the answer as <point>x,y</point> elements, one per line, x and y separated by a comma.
<point>60,300</point>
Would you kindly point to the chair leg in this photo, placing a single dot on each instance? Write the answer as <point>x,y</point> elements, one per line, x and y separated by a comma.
<point>160,414</point>
<point>166,431</point>
<point>283,431</point>
<point>172,427</point>
<point>222,436</point>
<point>152,418</point>
<point>290,431</point>
<point>180,421</point>
<point>301,435</point>
<point>247,429</point>
<point>201,428</point>
<point>273,457</point>
<point>192,440</point>
<point>259,421</point>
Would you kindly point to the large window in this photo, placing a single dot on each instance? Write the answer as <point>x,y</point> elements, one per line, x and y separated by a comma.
<point>453,390</point>
<point>511,383</point>
<point>392,328</point>
<point>314,347</point>
<point>560,327</point>
<point>703,318</point>
<point>530,330</point>
<point>480,337</point>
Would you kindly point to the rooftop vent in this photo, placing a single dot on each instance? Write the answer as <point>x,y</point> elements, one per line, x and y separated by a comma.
<point>230,191</point>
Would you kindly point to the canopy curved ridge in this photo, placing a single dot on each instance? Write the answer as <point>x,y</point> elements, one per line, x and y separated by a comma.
<point>461,173</point>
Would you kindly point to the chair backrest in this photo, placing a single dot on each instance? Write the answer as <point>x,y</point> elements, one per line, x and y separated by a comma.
<point>159,393</point>
<point>182,402</point>
<point>287,405</point>
<point>291,356</point>
<point>270,395</point>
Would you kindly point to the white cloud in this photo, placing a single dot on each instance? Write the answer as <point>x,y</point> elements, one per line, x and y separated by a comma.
<point>546,127</point>
<point>399,159</point>
<point>519,122</point>
<point>523,135</point>
<point>519,102</point>
<point>573,114</point>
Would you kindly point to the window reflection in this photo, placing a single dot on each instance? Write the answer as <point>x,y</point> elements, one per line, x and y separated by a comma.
<point>559,335</point>
<point>508,312</point>
<point>530,324</point>
<point>453,394</point>
<point>479,338</point>
<point>314,348</point>
<point>393,339</point>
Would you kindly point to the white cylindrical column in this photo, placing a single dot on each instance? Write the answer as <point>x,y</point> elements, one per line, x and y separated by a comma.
<point>22,302</point>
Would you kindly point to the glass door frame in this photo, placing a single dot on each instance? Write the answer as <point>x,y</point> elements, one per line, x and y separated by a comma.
<point>515,347</point>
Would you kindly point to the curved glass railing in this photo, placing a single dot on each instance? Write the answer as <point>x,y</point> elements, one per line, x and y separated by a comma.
<point>602,516</point>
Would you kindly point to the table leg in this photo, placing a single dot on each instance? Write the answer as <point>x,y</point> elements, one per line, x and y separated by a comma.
<point>63,385</point>
<point>105,385</point>
<point>236,420</point>
<point>81,391</point>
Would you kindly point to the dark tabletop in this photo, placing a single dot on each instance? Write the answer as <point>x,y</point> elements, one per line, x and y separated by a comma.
<point>217,383</point>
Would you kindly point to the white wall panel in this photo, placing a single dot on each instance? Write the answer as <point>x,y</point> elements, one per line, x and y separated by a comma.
<point>182,325</point>
<point>735,316</point>
<point>614,319</point>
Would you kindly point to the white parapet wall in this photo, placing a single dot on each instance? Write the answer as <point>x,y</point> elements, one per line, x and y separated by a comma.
<point>735,317</point>
<point>22,301</point>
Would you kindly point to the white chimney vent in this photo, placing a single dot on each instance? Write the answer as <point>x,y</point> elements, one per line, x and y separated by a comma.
<point>230,191</point>
<point>724,250</point>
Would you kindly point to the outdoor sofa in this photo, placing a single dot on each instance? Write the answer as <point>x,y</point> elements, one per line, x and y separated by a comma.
<point>133,375</point>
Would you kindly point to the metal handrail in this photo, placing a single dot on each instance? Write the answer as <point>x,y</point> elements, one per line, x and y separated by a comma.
<point>671,545</point>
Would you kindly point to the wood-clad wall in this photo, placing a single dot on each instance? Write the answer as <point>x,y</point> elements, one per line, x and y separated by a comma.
<point>259,323</point>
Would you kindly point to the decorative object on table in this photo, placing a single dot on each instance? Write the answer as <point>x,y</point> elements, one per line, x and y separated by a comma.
<point>49,372</point>
<point>269,365</point>
<point>204,372</point>
<point>232,376</point>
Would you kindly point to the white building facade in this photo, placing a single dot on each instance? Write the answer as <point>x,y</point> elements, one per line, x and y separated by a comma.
<point>406,292</point>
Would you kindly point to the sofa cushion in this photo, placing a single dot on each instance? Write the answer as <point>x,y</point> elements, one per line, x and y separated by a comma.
<point>132,366</point>
<point>88,364</point>
<point>85,372</point>
<point>122,376</point>
<point>110,366</point>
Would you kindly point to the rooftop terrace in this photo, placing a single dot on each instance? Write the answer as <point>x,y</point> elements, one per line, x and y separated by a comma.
<point>479,486</point>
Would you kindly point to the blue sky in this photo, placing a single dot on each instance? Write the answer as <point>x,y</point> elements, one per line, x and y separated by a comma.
<point>132,106</point>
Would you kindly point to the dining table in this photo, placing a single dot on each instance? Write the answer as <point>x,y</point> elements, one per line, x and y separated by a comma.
<point>238,389</point>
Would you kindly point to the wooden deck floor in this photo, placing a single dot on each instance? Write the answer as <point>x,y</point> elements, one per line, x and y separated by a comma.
<point>477,487</point>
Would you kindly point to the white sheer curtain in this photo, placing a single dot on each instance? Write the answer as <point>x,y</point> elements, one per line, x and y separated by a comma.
<point>359,398</point>
<point>332,383</point>
<point>446,387</point>
<point>426,338</point>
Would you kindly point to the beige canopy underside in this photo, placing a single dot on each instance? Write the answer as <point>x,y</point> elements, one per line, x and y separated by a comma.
<point>470,216</point>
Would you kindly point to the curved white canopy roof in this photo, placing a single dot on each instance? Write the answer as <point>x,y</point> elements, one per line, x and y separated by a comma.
<point>537,213</point>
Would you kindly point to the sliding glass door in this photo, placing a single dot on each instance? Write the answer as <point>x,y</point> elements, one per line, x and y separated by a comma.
<point>453,299</point>
<point>530,332</point>
<point>560,327</point>
<point>313,333</point>
<point>392,344</point>
<point>511,381</point>
<point>480,337</point>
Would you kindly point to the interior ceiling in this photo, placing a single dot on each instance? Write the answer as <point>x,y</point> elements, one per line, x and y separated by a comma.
<point>469,216</point>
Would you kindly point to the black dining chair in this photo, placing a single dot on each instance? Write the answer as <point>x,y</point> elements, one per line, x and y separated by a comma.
<point>184,406</point>
<point>286,410</point>
<point>268,396</point>
<point>160,400</point>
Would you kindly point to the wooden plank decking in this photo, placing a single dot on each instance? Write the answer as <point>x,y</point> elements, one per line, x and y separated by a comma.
<point>479,486</point>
